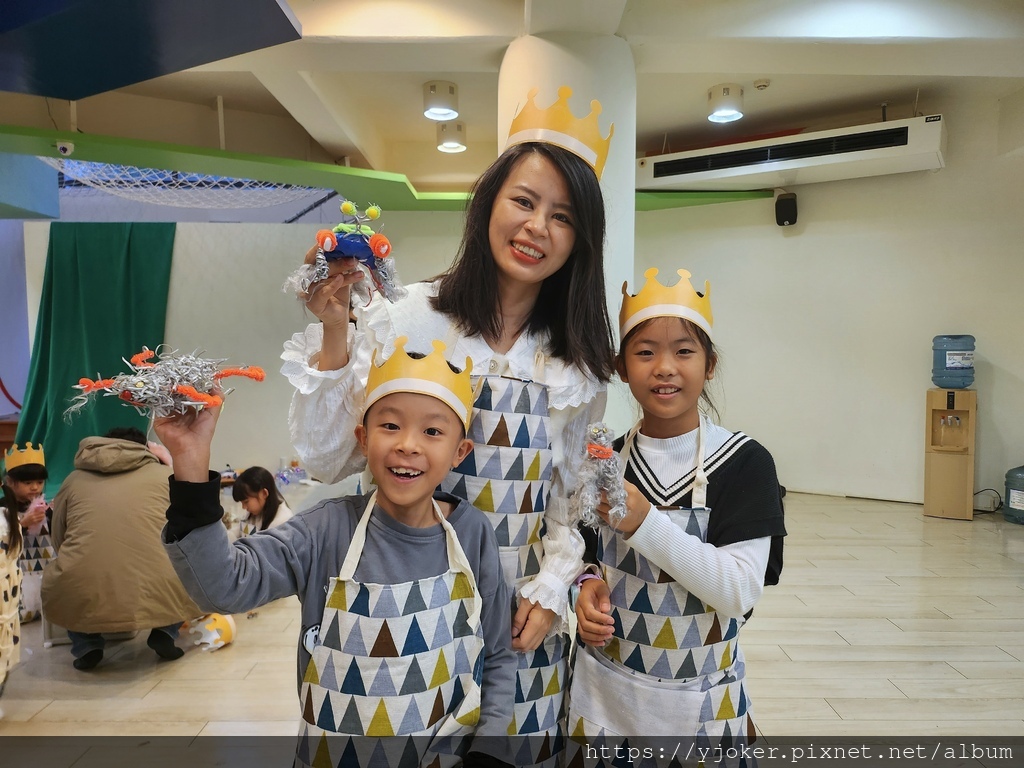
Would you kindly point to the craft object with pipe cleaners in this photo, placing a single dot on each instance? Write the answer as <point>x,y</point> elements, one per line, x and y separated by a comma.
<point>171,384</point>
<point>599,475</point>
<point>353,240</point>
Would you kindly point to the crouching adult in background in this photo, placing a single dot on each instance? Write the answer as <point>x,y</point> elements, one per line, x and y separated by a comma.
<point>111,573</point>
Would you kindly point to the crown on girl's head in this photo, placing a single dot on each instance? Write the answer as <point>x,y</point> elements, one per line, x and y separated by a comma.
<point>557,125</point>
<point>16,457</point>
<point>430,375</point>
<point>657,300</point>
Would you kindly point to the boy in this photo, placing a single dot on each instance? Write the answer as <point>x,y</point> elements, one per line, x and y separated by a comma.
<point>24,479</point>
<point>405,622</point>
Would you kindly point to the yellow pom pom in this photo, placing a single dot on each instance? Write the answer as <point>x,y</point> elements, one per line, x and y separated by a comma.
<point>373,212</point>
<point>349,208</point>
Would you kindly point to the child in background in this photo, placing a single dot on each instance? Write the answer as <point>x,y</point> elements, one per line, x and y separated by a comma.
<point>701,537</point>
<point>24,478</point>
<point>10,592</point>
<point>397,589</point>
<point>256,490</point>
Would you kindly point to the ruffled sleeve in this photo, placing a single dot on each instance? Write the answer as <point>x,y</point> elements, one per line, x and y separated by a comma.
<point>326,405</point>
<point>563,544</point>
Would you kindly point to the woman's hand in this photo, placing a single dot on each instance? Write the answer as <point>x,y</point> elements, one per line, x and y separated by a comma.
<point>329,299</point>
<point>530,625</point>
<point>188,438</point>
<point>594,613</point>
<point>637,507</point>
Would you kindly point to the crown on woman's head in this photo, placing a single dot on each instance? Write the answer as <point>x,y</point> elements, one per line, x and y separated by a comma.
<point>557,125</point>
<point>17,457</point>
<point>657,300</point>
<point>430,375</point>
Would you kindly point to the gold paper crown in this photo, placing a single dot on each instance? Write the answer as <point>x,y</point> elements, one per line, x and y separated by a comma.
<point>430,375</point>
<point>557,125</point>
<point>17,457</point>
<point>657,300</point>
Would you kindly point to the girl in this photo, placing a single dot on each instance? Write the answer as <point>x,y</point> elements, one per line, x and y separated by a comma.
<point>257,491</point>
<point>525,302</point>
<point>701,537</point>
<point>10,591</point>
<point>23,492</point>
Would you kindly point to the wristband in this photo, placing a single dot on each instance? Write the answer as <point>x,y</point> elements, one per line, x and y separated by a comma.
<point>585,577</point>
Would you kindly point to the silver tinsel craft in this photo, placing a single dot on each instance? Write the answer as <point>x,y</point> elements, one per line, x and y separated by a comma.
<point>600,472</point>
<point>172,384</point>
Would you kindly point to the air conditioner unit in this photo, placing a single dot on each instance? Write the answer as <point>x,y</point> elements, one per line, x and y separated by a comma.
<point>896,146</point>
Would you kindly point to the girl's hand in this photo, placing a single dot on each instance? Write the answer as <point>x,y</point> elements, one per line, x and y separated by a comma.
<point>188,438</point>
<point>593,613</point>
<point>637,507</point>
<point>530,625</point>
<point>35,514</point>
<point>329,300</point>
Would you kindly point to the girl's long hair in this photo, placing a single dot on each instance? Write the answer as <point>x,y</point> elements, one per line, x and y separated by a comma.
<point>10,512</point>
<point>571,306</point>
<point>250,483</point>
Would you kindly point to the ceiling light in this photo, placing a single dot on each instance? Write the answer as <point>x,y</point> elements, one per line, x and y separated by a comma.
<point>451,137</point>
<point>725,102</point>
<point>440,100</point>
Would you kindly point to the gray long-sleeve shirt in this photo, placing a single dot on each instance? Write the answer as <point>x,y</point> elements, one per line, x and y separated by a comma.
<point>303,555</point>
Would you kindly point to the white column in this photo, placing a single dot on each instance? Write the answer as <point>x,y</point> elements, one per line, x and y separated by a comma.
<point>599,68</point>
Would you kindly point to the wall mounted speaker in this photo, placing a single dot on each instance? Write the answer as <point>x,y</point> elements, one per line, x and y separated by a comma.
<point>785,209</point>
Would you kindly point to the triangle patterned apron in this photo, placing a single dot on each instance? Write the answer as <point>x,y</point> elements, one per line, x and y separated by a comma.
<point>394,660</point>
<point>508,476</point>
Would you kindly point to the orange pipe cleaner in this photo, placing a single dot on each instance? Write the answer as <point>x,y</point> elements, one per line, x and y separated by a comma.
<point>139,359</point>
<point>211,400</point>
<point>88,385</point>
<point>252,372</point>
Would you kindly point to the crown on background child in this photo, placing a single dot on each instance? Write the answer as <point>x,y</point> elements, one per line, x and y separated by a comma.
<point>557,125</point>
<point>430,375</point>
<point>657,300</point>
<point>16,457</point>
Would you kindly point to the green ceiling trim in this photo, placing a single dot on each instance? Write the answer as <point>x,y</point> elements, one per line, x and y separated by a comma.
<point>391,191</point>
<point>658,201</point>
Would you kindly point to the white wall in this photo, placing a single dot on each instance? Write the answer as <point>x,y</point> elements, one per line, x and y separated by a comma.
<point>826,327</point>
<point>14,340</point>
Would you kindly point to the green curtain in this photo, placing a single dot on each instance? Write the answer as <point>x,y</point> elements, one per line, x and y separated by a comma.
<point>104,298</point>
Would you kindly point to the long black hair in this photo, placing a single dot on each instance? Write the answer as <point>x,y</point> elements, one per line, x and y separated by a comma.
<point>250,483</point>
<point>10,511</point>
<point>571,306</point>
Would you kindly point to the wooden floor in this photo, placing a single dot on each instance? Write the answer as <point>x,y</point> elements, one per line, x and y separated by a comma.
<point>886,622</point>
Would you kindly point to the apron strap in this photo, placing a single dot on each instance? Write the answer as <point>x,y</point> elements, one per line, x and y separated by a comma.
<point>700,483</point>
<point>699,498</point>
<point>457,560</point>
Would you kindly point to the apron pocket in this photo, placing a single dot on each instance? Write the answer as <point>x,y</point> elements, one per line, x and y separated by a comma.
<point>631,705</point>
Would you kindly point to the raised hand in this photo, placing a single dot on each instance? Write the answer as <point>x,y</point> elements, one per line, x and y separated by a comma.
<point>188,438</point>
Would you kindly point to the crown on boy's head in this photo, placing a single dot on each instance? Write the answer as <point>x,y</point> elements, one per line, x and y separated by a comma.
<point>557,125</point>
<point>657,300</point>
<point>17,457</point>
<point>430,375</point>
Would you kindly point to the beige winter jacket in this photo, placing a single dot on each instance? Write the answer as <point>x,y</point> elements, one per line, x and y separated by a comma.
<point>111,573</point>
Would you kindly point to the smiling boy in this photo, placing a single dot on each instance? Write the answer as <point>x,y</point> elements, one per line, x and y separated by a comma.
<point>405,624</point>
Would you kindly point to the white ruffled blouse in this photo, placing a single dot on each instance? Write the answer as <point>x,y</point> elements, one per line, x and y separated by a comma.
<point>327,405</point>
